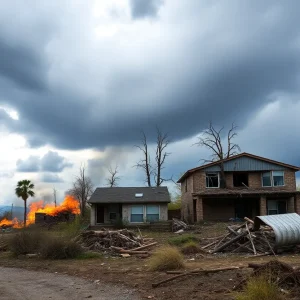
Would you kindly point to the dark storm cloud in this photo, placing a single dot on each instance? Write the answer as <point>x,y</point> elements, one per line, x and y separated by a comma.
<point>50,162</point>
<point>144,8</point>
<point>218,62</point>
<point>21,65</point>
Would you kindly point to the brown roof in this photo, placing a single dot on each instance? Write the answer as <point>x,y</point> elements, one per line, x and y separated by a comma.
<point>244,191</point>
<point>234,157</point>
<point>128,195</point>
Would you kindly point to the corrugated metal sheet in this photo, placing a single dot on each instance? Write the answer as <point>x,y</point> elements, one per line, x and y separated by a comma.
<point>247,164</point>
<point>286,227</point>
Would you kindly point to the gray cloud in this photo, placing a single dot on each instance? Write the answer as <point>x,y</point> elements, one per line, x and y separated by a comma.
<point>142,8</point>
<point>177,76</point>
<point>50,162</point>
<point>51,178</point>
<point>31,164</point>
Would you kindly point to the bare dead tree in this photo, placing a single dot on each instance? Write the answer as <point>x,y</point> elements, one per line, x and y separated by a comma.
<point>162,141</point>
<point>211,138</point>
<point>113,178</point>
<point>145,162</point>
<point>154,172</point>
<point>82,189</point>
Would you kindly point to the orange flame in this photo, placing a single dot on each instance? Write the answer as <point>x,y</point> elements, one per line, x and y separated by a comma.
<point>69,205</point>
<point>15,223</point>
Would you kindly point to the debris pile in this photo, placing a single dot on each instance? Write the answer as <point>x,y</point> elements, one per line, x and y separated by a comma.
<point>121,241</point>
<point>179,226</point>
<point>242,238</point>
<point>282,274</point>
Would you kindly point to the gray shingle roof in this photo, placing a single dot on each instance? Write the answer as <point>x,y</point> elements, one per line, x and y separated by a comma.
<point>127,195</point>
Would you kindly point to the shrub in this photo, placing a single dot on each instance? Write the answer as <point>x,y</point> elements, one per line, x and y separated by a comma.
<point>166,258</point>
<point>182,239</point>
<point>191,247</point>
<point>57,248</point>
<point>26,241</point>
<point>259,288</point>
<point>120,223</point>
<point>71,229</point>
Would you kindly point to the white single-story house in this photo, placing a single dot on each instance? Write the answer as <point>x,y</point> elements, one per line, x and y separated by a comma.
<point>131,204</point>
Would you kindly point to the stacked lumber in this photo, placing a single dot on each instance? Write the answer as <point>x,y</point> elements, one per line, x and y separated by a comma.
<point>242,238</point>
<point>116,241</point>
<point>3,245</point>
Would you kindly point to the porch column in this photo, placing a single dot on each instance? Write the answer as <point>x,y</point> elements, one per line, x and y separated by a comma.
<point>93,214</point>
<point>297,204</point>
<point>291,205</point>
<point>262,206</point>
<point>199,209</point>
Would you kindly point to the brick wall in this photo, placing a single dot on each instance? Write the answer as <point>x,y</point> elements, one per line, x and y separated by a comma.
<point>297,204</point>
<point>254,181</point>
<point>187,199</point>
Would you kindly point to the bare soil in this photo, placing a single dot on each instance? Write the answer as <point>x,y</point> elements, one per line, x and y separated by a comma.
<point>133,273</point>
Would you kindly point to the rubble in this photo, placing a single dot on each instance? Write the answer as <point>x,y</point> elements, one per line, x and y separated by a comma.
<point>243,239</point>
<point>121,241</point>
<point>179,226</point>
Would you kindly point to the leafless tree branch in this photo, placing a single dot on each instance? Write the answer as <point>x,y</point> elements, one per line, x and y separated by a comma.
<point>82,189</point>
<point>113,178</point>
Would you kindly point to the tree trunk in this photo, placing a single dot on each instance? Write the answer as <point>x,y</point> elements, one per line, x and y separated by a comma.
<point>25,211</point>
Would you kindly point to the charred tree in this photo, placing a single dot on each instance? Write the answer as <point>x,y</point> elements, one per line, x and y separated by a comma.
<point>145,162</point>
<point>154,172</point>
<point>82,189</point>
<point>113,178</point>
<point>211,138</point>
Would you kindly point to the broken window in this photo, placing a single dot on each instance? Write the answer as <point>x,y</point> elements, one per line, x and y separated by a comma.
<point>212,180</point>
<point>240,179</point>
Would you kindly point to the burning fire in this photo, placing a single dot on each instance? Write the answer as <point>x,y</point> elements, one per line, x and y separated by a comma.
<point>69,205</point>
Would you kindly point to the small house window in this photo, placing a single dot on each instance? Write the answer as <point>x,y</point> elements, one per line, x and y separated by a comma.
<point>137,214</point>
<point>152,212</point>
<point>275,178</point>
<point>212,180</point>
<point>266,179</point>
<point>278,178</point>
<point>112,216</point>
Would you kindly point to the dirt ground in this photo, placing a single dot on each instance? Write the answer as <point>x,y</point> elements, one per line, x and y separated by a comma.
<point>20,284</point>
<point>133,272</point>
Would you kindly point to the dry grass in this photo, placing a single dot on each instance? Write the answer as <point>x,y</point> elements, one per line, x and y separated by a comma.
<point>166,258</point>
<point>191,247</point>
<point>58,248</point>
<point>259,288</point>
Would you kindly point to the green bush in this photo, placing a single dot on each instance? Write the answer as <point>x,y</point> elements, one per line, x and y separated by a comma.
<point>58,248</point>
<point>259,288</point>
<point>166,258</point>
<point>191,247</point>
<point>26,241</point>
<point>119,223</point>
<point>72,228</point>
<point>182,239</point>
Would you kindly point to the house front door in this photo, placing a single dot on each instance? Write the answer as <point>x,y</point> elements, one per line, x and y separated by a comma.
<point>100,213</point>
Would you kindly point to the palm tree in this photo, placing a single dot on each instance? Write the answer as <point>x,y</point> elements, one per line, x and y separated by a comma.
<point>23,190</point>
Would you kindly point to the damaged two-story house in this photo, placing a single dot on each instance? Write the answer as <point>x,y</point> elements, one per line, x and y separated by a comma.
<point>253,186</point>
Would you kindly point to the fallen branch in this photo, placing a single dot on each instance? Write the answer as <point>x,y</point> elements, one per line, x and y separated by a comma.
<point>194,272</point>
<point>144,247</point>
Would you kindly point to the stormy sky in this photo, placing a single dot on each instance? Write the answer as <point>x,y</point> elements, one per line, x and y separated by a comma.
<point>79,80</point>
